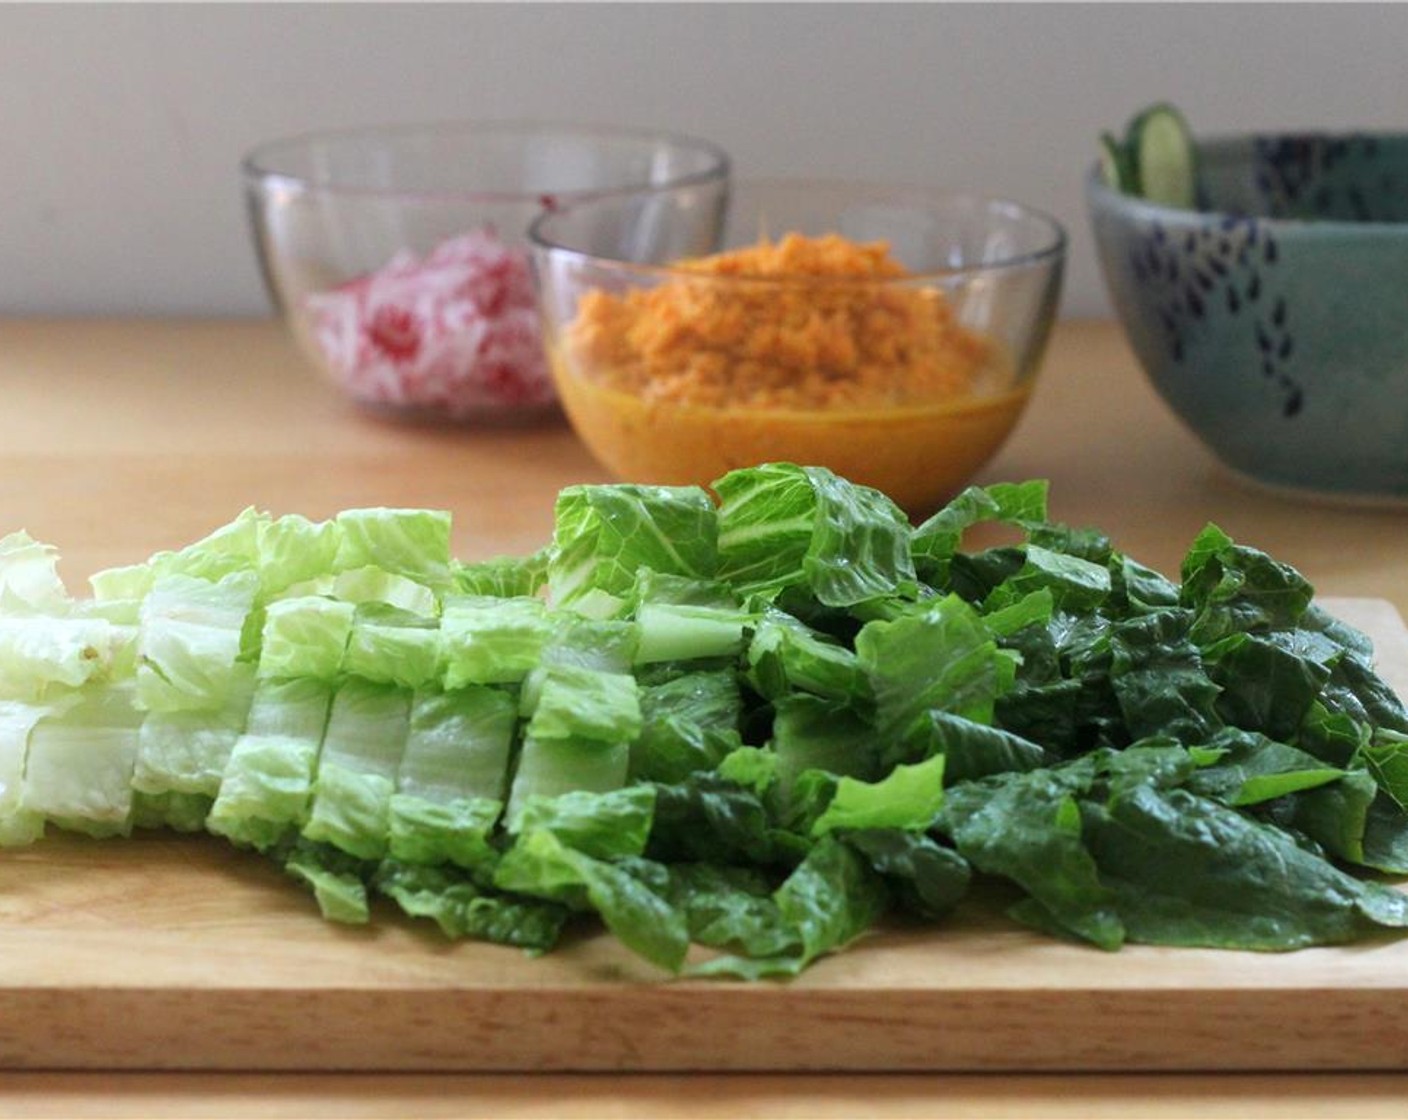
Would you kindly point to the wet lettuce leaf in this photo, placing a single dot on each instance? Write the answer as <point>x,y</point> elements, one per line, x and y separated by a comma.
<point>781,525</point>
<point>604,535</point>
<point>1184,870</point>
<point>925,879</point>
<point>688,723</point>
<point>1114,847</point>
<point>832,897</point>
<point>541,865</point>
<point>1027,828</point>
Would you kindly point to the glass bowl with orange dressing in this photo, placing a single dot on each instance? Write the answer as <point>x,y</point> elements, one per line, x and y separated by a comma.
<point>890,334</point>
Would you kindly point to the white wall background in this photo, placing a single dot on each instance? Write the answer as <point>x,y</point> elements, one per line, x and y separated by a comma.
<point>121,125</point>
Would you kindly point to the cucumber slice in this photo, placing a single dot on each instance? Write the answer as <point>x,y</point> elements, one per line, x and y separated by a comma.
<point>1164,157</point>
<point>1117,165</point>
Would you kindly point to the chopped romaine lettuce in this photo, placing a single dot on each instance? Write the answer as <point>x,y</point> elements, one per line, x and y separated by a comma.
<point>755,727</point>
<point>305,636</point>
<point>484,640</point>
<point>414,543</point>
<point>783,526</point>
<point>78,771</point>
<point>604,536</point>
<point>357,766</point>
<point>453,777</point>
<point>190,640</point>
<point>389,645</point>
<point>19,823</point>
<point>268,779</point>
<point>187,750</point>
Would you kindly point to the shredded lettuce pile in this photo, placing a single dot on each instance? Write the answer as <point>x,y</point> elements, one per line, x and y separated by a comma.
<point>738,732</point>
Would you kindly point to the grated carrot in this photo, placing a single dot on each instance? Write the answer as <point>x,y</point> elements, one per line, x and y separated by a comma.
<point>803,322</point>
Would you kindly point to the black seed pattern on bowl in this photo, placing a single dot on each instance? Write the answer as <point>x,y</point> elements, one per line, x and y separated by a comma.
<point>1313,176</point>
<point>1221,270</point>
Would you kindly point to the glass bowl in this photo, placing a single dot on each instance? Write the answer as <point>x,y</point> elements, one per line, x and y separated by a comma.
<point>398,255</point>
<point>894,340</point>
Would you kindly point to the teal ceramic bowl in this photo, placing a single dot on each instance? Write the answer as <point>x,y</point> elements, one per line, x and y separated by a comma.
<point>1273,318</point>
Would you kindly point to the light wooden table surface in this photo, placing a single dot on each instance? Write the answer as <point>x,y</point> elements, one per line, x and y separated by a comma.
<point>121,438</point>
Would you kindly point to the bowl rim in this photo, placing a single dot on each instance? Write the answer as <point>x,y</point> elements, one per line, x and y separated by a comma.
<point>1052,251</point>
<point>256,170</point>
<point>1217,145</point>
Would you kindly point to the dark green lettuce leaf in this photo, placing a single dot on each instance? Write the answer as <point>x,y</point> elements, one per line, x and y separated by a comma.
<point>1136,589</point>
<point>831,898</point>
<point>1027,828</point>
<point>974,576</point>
<point>925,878</point>
<point>712,818</point>
<point>971,749</point>
<point>1334,817</point>
<point>1264,685</point>
<point>732,908</point>
<point>1235,590</point>
<point>1110,847</point>
<point>785,654</point>
<point>1337,632</point>
<point>810,733</point>
<point>1159,678</point>
<point>1184,870</point>
<point>1333,737</point>
<point>689,722</point>
<point>1253,769</point>
<point>1386,756</point>
<point>1386,837</point>
<point>1081,542</point>
<point>1074,584</point>
<point>1358,691</point>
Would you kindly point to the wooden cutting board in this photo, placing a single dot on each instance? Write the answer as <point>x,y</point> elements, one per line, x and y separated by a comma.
<point>167,952</point>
